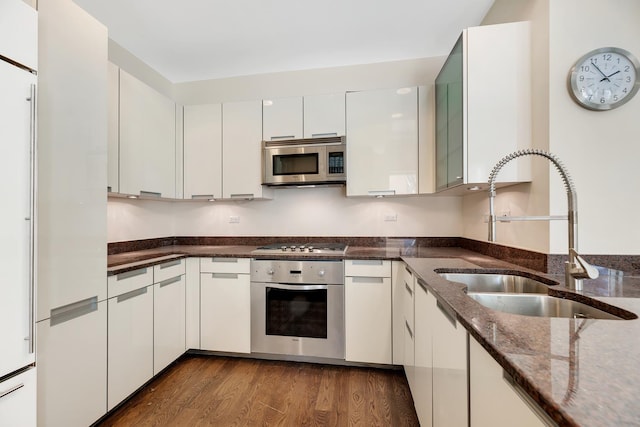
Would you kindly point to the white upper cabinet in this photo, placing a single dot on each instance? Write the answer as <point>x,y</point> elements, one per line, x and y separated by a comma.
<point>113,144</point>
<point>483,106</point>
<point>382,147</point>
<point>324,115</point>
<point>19,32</point>
<point>282,118</point>
<point>147,140</point>
<point>241,154</point>
<point>203,151</point>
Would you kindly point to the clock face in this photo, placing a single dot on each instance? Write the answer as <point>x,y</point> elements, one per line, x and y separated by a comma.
<point>605,78</point>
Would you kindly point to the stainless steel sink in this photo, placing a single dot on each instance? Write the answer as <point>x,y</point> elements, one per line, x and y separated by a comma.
<point>540,306</point>
<point>508,283</point>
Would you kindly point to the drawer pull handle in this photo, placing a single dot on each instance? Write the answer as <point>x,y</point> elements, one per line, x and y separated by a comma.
<point>202,196</point>
<point>422,285</point>
<point>367,262</point>
<point>316,135</point>
<point>367,279</point>
<point>224,275</point>
<point>227,260</point>
<point>246,196</point>
<point>450,317</point>
<point>130,274</point>
<point>132,294</point>
<point>408,329</point>
<point>170,264</point>
<point>11,390</point>
<point>275,138</point>
<point>170,281</point>
<point>74,310</point>
<point>408,288</point>
<point>150,193</point>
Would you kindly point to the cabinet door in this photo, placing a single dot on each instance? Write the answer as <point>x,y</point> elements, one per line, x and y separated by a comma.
<point>192,303</point>
<point>18,400</point>
<point>368,319</point>
<point>113,124</point>
<point>423,359</point>
<point>130,346</point>
<point>225,312</point>
<point>442,134</point>
<point>19,33</point>
<point>397,311</point>
<point>324,115</point>
<point>493,401</point>
<point>241,154</point>
<point>282,118</point>
<point>168,322</point>
<point>203,151</point>
<point>72,366</point>
<point>147,140</point>
<point>449,342</point>
<point>382,148</point>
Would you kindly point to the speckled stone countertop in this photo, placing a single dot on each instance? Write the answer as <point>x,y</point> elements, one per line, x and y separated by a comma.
<point>582,372</point>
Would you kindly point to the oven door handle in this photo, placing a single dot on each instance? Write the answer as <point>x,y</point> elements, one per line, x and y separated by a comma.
<point>296,287</point>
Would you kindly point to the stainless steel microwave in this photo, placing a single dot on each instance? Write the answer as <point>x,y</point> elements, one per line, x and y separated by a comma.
<point>312,161</point>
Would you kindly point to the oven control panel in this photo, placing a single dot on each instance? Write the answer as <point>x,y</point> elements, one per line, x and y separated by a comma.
<point>326,272</point>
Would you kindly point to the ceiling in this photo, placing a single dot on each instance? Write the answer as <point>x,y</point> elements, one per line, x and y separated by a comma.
<point>190,40</point>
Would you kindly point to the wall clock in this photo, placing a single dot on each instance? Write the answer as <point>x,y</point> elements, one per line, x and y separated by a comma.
<point>604,78</point>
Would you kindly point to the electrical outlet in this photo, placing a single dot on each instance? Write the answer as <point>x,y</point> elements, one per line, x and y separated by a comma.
<point>391,217</point>
<point>233,219</point>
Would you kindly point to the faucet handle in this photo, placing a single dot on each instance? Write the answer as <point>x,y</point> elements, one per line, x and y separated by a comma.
<point>586,270</point>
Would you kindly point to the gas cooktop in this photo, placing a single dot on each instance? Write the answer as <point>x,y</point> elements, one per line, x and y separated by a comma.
<point>302,249</point>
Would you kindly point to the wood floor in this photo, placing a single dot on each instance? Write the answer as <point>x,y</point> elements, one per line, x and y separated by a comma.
<point>221,391</point>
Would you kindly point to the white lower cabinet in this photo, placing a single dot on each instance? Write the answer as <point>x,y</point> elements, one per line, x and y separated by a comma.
<point>18,400</point>
<point>449,341</point>
<point>367,300</point>
<point>72,366</point>
<point>130,346</point>
<point>192,303</point>
<point>493,400</point>
<point>422,384</point>
<point>225,305</point>
<point>168,321</point>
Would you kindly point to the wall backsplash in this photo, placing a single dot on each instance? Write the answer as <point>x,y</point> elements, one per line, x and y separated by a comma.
<point>292,212</point>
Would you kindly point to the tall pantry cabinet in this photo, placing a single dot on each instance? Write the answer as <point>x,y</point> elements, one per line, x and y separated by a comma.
<point>72,204</point>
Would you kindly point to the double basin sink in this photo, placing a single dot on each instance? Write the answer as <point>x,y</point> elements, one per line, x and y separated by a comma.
<point>515,294</point>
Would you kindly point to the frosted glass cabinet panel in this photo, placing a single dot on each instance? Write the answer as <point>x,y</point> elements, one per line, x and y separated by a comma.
<point>324,115</point>
<point>203,151</point>
<point>147,140</point>
<point>282,118</point>
<point>382,147</point>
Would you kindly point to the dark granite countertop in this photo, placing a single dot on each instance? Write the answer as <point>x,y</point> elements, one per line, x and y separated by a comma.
<point>582,372</point>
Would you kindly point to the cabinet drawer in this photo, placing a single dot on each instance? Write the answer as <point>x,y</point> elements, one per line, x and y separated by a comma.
<point>367,268</point>
<point>225,265</point>
<point>168,269</point>
<point>131,280</point>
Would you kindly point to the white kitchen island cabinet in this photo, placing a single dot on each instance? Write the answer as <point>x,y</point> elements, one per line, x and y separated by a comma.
<point>225,305</point>
<point>203,151</point>
<point>282,118</point>
<point>382,147</point>
<point>324,115</point>
<point>168,313</point>
<point>241,154</point>
<point>147,140</point>
<point>367,300</point>
<point>494,400</point>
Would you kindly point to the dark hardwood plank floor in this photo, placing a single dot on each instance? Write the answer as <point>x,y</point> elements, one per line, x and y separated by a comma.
<point>224,391</point>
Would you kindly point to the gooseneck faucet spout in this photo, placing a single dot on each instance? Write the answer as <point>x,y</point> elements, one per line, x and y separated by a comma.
<point>576,268</point>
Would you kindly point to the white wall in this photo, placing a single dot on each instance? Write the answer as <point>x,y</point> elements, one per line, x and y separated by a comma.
<point>292,212</point>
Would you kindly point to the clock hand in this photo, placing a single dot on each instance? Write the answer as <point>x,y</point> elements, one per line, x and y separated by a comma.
<point>605,77</point>
<point>613,74</point>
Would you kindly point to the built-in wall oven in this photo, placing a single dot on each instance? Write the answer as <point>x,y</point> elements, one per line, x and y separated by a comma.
<point>297,307</point>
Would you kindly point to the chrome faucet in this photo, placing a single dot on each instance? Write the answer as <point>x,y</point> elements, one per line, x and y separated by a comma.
<point>576,268</point>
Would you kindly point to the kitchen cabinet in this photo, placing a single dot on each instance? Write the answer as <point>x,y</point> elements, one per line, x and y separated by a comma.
<point>494,400</point>
<point>397,311</point>
<point>483,111</point>
<point>408,284</point>
<point>324,115</point>
<point>449,349</point>
<point>225,305</point>
<point>130,343</point>
<point>113,124</point>
<point>422,385</point>
<point>72,365</point>
<point>147,140</point>
<point>382,148</point>
<point>19,33</point>
<point>18,400</point>
<point>242,152</point>
<point>203,151</point>
<point>168,313</point>
<point>367,300</point>
<point>192,303</point>
<point>282,118</point>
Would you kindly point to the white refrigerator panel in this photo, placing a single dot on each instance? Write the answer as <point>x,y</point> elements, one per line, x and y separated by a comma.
<point>15,218</point>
